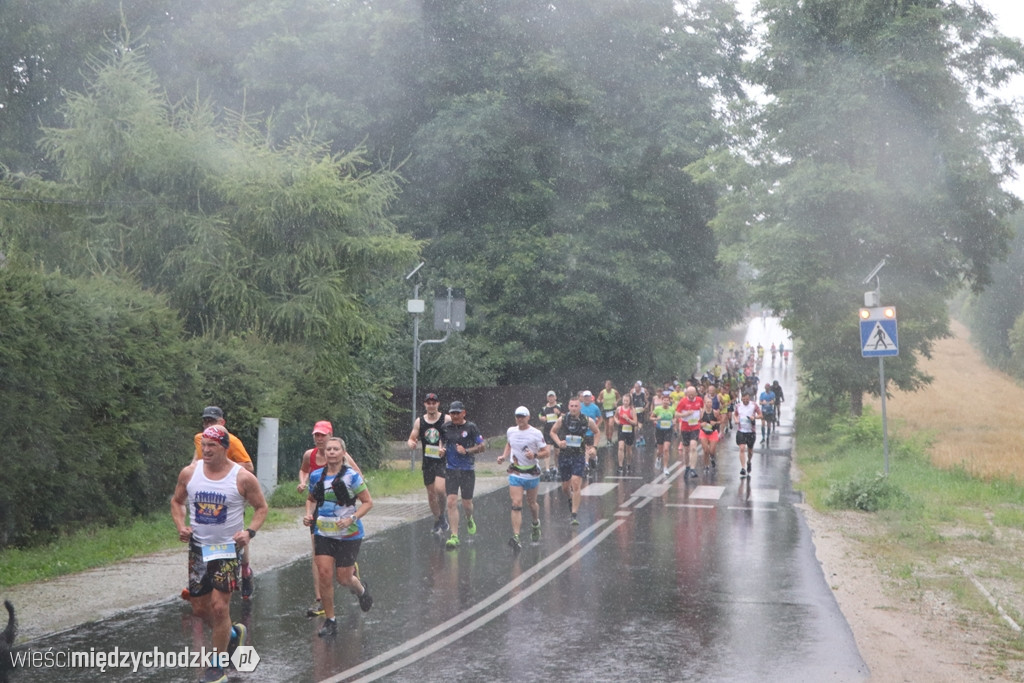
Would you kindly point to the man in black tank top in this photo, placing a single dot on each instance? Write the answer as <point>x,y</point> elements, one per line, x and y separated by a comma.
<point>569,434</point>
<point>427,431</point>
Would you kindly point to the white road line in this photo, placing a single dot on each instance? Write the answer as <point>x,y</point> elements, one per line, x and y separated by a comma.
<point>737,507</point>
<point>467,613</point>
<point>488,616</point>
<point>689,505</point>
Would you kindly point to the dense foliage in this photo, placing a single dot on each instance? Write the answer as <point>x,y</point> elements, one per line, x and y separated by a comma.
<point>997,312</point>
<point>590,173</point>
<point>96,381</point>
<point>882,138</point>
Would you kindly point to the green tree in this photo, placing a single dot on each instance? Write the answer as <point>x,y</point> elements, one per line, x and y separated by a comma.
<point>244,236</point>
<point>881,137</point>
<point>551,183</point>
<point>43,45</point>
<point>993,312</point>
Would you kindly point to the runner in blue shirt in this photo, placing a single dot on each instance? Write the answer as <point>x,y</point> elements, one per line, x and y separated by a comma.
<point>590,409</point>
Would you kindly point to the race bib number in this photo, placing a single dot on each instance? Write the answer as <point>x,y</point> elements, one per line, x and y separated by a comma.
<point>665,423</point>
<point>330,526</point>
<point>432,451</point>
<point>574,441</point>
<point>609,413</point>
<point>627,429</point>
<point>551,417</point>
<point>219,551</point>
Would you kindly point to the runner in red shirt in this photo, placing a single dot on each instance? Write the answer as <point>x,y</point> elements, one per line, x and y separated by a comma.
<point>688,412</point>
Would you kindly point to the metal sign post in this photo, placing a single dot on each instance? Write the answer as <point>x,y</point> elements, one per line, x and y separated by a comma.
<point>879,339</point>
<point>449,314</point>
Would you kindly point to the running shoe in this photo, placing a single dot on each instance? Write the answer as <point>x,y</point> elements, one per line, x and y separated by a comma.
<point>714,465</point>
<point>665,472</point>
<point>238,633</point>
<point>515,544</point>
<point>330,628</point>
<point>365,600</point>
<point>743,473</point>
<point>690,473</point>
<point>750,465</point>
<point>573,521</point>
<point>437,526</point>
<point>444,524</point>
<point>248,584</point>
<point>619,471</point>
<point>535,532</point>
<point>214,674</point>
<point>471,525</point>
<point>315,610</point>
<point>452,543</point>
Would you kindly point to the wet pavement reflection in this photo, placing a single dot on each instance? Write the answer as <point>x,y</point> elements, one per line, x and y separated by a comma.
<point>710,579</point>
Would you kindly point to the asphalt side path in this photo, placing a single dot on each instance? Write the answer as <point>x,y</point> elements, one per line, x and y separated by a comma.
<point>55,605</point>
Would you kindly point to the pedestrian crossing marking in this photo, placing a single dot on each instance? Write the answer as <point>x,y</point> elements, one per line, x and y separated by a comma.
<point>764,495</point>
<point>598,488</point>
<point>652,490</point>
<point>703,492</point>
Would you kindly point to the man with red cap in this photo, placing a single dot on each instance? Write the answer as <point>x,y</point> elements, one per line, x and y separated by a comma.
<point>312,460</point>
<point>214,492</point>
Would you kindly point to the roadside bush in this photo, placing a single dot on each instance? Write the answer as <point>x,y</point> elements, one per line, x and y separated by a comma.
<point>94,393</point>
<point>869,493</point>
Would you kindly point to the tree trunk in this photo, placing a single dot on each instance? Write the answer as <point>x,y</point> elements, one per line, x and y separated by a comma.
<point>856,403</point>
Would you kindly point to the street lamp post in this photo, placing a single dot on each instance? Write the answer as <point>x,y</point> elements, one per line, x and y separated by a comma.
<point>415,306</point>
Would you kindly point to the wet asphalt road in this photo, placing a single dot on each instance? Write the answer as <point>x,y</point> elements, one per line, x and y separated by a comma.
<point>708,579</point>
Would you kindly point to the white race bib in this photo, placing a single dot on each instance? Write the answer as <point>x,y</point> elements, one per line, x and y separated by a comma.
<point>609,413</point>
<point>665,423</point>
<point>551,417</point>
<point>626,429</point>
<point>330,527</point>
<point>219,551</point>
<point>574,441</point>
<point>432,451</point>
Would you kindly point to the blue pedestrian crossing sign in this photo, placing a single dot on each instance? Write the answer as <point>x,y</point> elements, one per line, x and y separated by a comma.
<point>878,336</point>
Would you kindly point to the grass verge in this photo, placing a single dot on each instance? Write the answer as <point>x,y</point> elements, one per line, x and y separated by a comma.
<point>927,528</point>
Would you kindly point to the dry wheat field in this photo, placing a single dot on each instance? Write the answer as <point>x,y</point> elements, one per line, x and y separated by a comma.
<point>972,411</point>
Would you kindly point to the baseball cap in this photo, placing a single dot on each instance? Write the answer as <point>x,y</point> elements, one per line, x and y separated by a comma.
<point>552,393</point>
<point>456,407</point>
<point>586,393</point>
<point>522,411</point>
<point>430,397</point>
<point>323,427</point>
<point>639,383</point>
<point>213,411</point>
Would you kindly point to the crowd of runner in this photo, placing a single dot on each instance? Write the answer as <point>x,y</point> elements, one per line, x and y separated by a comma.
<point>687,418</point>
